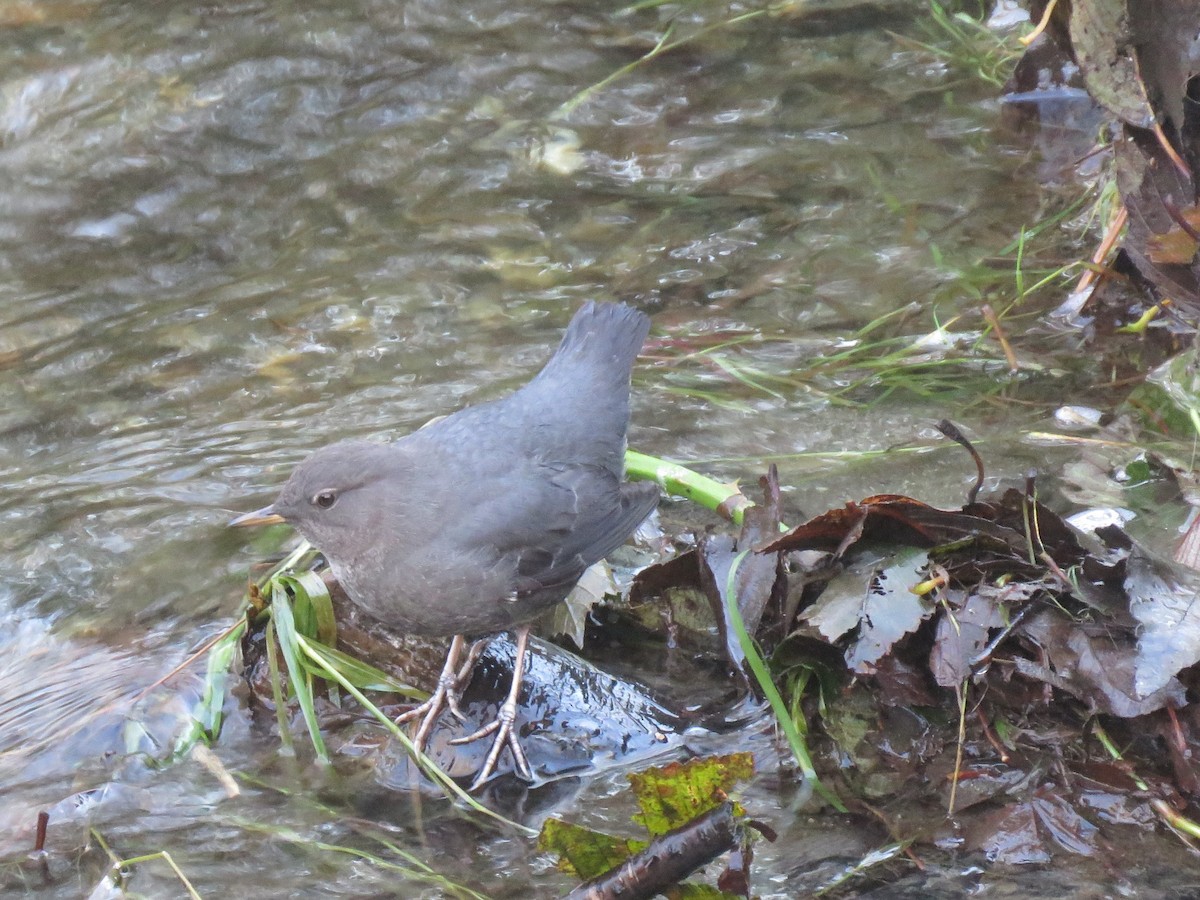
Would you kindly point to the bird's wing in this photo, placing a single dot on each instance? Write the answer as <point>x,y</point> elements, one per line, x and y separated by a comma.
<point>557,522</point>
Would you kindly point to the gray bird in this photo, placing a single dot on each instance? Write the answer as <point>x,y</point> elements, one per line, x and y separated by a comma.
<point>482,520</point>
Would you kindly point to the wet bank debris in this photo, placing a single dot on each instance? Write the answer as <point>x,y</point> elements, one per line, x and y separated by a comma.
<point>573,716</point>
<point>1004,681</point>
<point>690,820</point>
<point>1001,679</point>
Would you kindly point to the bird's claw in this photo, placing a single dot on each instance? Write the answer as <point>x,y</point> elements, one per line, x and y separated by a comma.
<point>445,696</point>
<point>502,727</point>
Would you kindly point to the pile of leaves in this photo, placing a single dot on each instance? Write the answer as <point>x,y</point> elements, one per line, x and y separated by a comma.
<point>1005,668</point>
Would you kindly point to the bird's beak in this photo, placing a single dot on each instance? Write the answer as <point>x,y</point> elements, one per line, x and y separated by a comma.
<point>264,516</point>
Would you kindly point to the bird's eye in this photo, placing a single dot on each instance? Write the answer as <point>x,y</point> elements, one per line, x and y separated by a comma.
<point>325,499</point>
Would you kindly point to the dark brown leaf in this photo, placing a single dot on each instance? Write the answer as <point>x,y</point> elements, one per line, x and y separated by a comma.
<point>757,579</point>
<point>1093,664</point>
<point>896,520</point>
<point>1009,835</point>
<point>961,635</point>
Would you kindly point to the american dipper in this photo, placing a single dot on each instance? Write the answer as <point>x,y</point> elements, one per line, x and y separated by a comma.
<point>482,520</point>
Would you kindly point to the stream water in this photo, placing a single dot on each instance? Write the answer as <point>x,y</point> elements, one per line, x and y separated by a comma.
<point>235,232</point>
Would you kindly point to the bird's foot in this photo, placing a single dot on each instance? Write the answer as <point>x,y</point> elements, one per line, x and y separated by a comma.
<point>502,725</point>
<point>502,728</point>
<point>445,696</point>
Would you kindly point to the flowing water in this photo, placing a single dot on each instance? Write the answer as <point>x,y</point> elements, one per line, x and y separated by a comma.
<point>235,232</point>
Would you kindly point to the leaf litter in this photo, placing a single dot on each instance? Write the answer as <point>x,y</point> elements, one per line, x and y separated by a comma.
<point>1032,637</point>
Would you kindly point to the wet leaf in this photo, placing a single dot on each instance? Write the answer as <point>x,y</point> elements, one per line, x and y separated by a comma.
<point>758,576</point>
<point>961,635</point>
<point>1176,247</point>
<point>902,684</point>
<point>1019,833</point>
<point>839,608</point>
<point>1151,186</point>
<point>676,793</point>
<point>891,611</point>
<point>1093,663</point>
<point>1104,49</point>
<point>988,785</point>
<point>674,590</point>
<point>877,599</point>
<point>735,879</point>
<point>1059,821</point>
<point>760,571</point>
<point>1010,836</point>
<point>1116,808</point>
<point>585,852</point>
<point>849,721</point>
<point>570,616</point>
<point>1033,528</point>
<point>1165,599</point>
<point>1187,551</point>
<point>897,520</point>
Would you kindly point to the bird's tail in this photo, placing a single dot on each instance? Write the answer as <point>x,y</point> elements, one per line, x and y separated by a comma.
<point>579,403</point>
<point>599,347</point>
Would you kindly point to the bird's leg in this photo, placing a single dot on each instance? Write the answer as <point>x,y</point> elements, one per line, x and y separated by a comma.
<point>464,674</point>
<point>502,725</point>
<point>445,694</point>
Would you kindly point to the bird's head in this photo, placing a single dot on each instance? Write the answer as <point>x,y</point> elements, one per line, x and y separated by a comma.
<point>333,498</point>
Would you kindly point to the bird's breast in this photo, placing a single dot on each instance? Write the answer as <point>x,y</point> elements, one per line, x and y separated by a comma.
<point>470,602</point>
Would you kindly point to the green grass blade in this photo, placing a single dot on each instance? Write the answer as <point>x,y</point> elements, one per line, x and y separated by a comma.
<point>289,643</point>
<point>277,695</point>
<point>759,667</point>
<point>209,710</point>
<point>362,675</point>
<point>312,606</point>
<point>428,766</point>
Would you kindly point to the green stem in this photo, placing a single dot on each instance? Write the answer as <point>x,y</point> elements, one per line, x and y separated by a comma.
<point>663,46</point>
<point>725,499</point>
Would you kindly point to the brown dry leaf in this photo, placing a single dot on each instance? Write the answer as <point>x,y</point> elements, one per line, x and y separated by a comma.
<point>1177,246</point>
